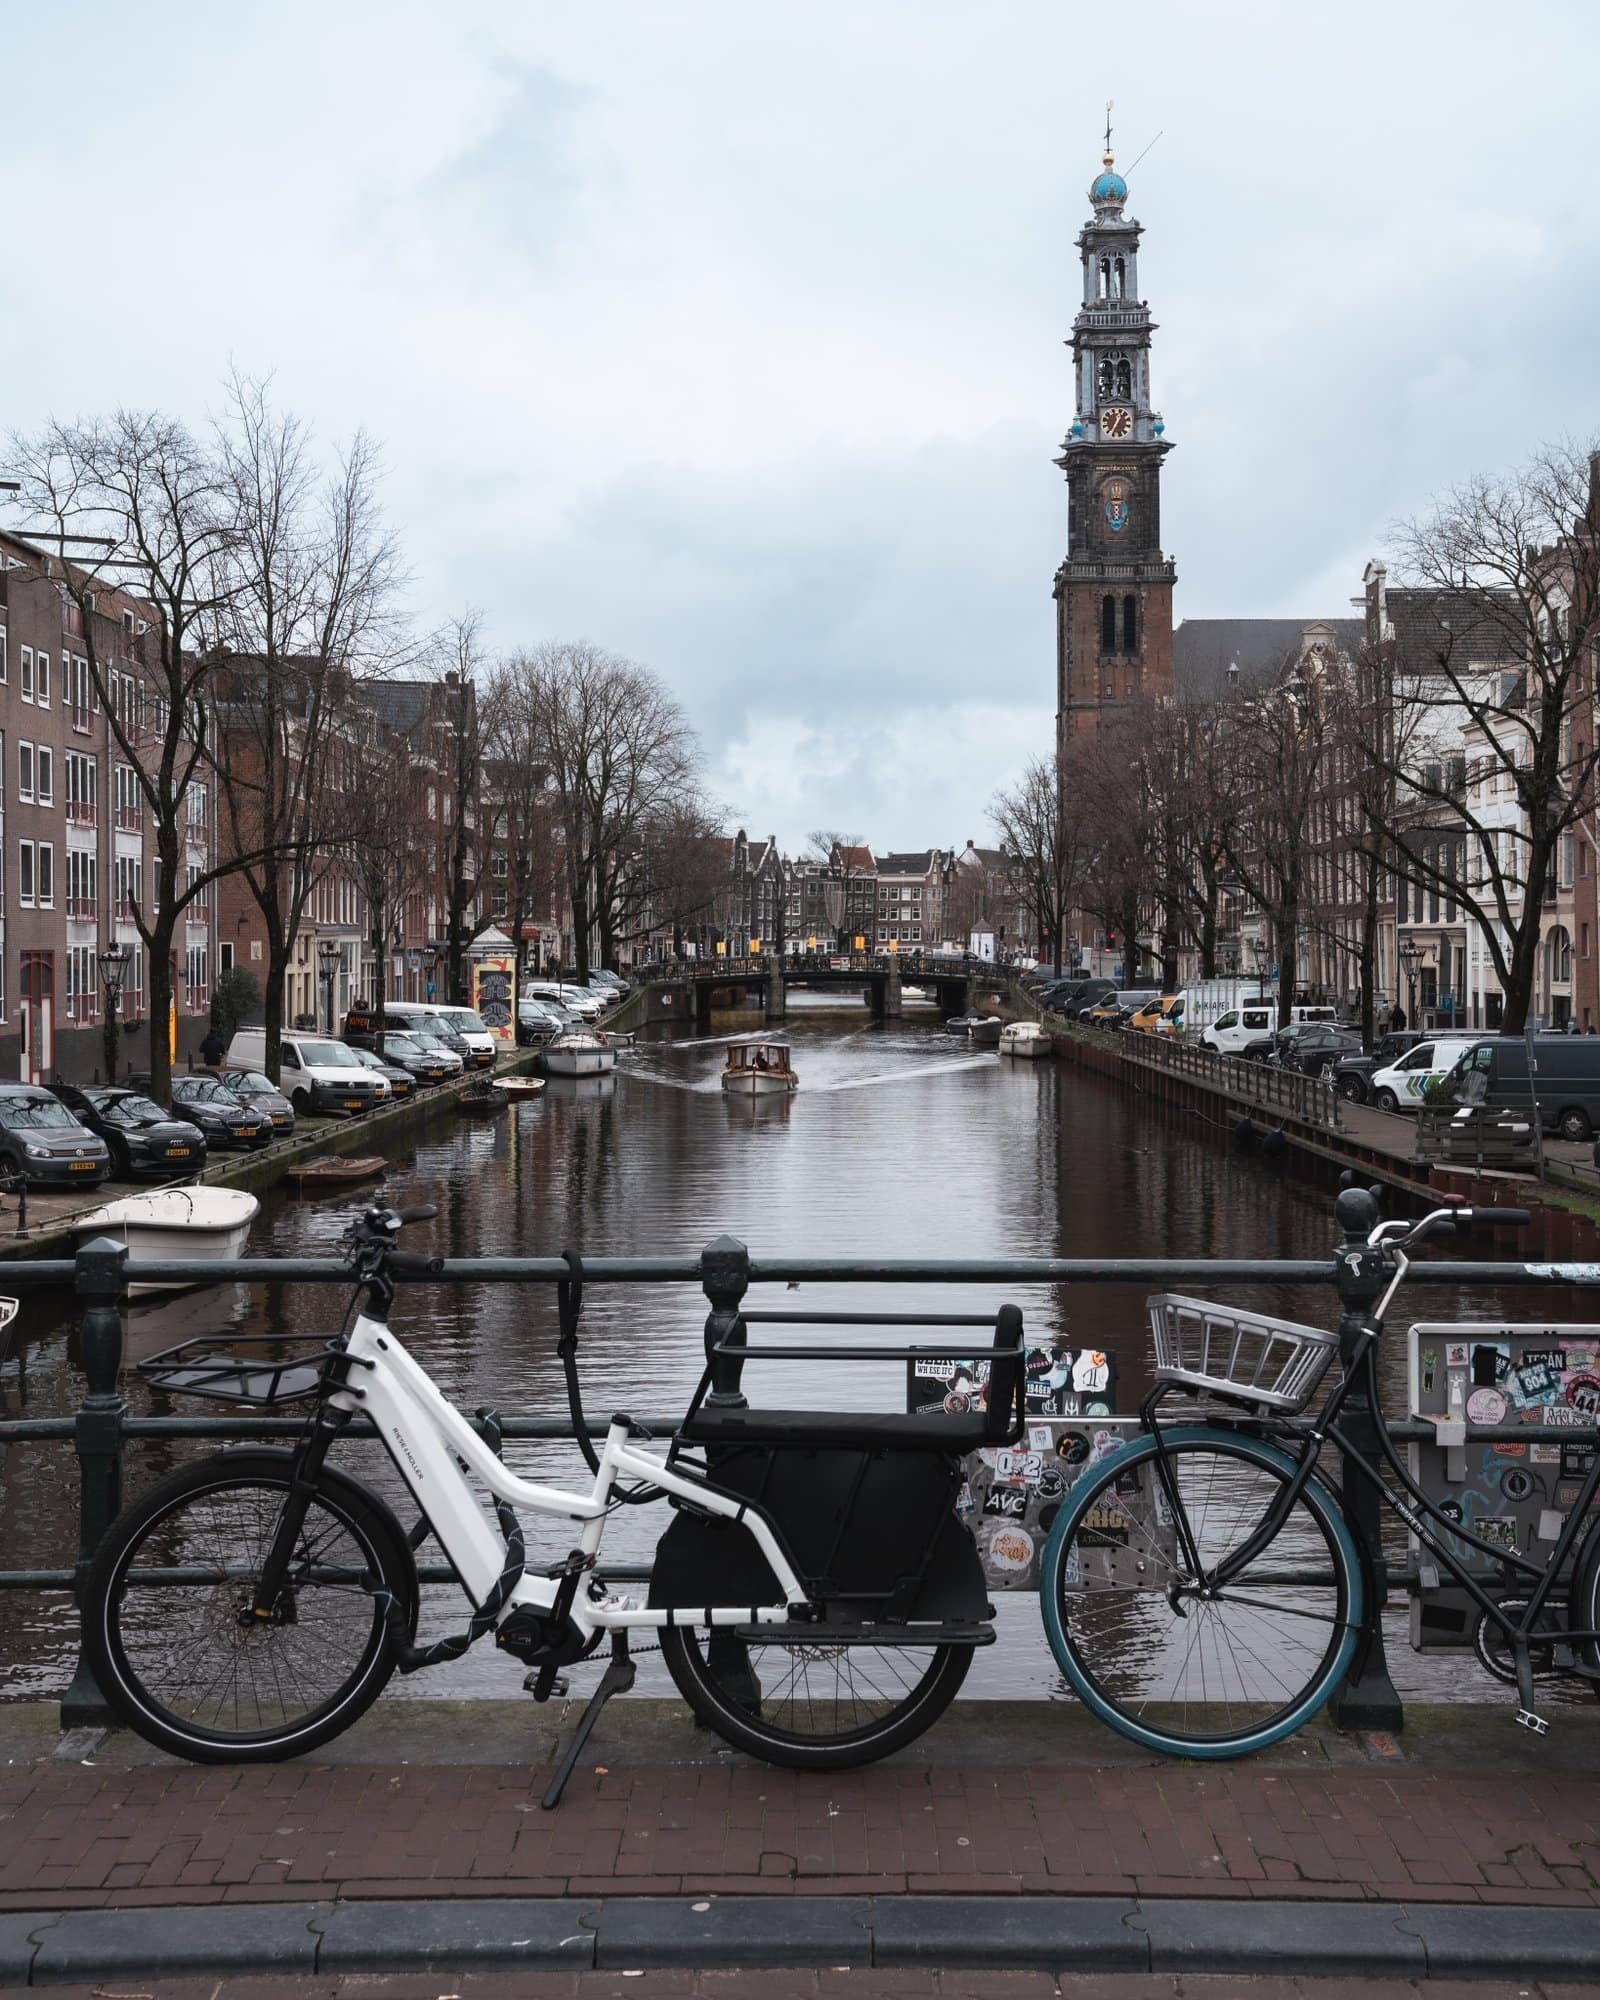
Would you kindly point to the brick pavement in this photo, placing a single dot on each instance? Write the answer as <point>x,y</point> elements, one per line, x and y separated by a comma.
<point>80,1835</point>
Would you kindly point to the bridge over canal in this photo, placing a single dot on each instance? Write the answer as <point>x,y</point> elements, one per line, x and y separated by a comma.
<point>692,992</point>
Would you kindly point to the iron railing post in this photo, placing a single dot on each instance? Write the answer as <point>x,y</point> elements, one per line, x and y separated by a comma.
<point>97,1436</point>
<point>1367,1698</point>
<point>725,1275</point>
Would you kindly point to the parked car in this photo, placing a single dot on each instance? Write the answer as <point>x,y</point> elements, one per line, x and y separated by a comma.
<point>540,1021</point>
<point>422,1062</point>
<point>256,1090</point>
<point>203,1101</point>
<point>1493,1073</point>
<point>144,1142</point>
<point>474,1046</point>
<point>1352,1074</point>
<point>1317,1047</point>
<point>402,1084</point>
<point>439,1044</point>
<point>1161,1016</point>
<point>1401,1087</point>
<point>479,1043</point>
<point>44,1143</point>
<point>1242,1028</point>
<point>588,1006</point>
<point>315,1073</point>
<point>362,1024</point>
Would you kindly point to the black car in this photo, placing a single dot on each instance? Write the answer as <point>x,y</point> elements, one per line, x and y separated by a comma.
<point>259,1093</point>
<point>1352,1074</point>
<point>402,1084</point>
<point>144,1142</point>
<point>422,1063</point>
<point>43,1142</point>
<point>1318,1046</point>
<point>218,1113</point>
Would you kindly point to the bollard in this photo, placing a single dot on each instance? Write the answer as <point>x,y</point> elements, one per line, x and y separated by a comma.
<point>1367,1698</point>
<point>100,1283</point>
<point>725,1274</point>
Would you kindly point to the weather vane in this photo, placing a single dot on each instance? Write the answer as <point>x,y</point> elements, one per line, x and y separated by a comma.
<point>1108,131</point>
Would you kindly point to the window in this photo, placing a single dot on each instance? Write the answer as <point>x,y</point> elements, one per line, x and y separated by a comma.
<point>1108,624</point>
<point>25,873</point>
<point>5,671</point>
<point>225,957</point>
<point>47,875</point>
<point>25,671</point>
<point>1130,624</point>
<point>196,975</point>
<point>42,675</point>
<point>47,775</point>
<point>25,773</point>
<point>127,884</point>
<point>82,793</point>
<point>77,692</point>
<point>127,795</point>
<point>81,885</point>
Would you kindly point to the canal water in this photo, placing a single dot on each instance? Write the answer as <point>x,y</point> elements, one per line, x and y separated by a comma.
<point>899,1143</point>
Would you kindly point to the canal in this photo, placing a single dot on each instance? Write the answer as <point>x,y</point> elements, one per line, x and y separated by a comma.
<point>899,1143</point>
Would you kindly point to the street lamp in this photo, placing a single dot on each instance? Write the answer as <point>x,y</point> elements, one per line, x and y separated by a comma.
<point>327,959</point>
<point>113,964</point>
<point>430,960</point>
<point>1411,957</point>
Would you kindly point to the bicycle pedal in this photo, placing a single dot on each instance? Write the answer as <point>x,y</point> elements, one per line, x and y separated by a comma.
<point>558,1685</point>
<point>1535,1723</point>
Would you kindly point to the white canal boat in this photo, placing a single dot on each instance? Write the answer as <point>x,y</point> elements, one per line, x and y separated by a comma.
<point>1026,1039</point>
<point>759,1069</point>
<point>188,1222</point>
<point>580,1052</point>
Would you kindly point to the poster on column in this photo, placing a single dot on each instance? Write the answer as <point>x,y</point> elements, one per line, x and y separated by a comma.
<point>493,990</point>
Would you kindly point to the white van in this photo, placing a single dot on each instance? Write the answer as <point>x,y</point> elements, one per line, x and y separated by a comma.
<point>1253,1021</point>
<point>1400,1087</point>
<point>586,1005</point>
<point>460,1021</point>
<point>316,1073</point>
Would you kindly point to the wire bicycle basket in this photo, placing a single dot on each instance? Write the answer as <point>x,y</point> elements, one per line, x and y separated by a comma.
<point>1244,1356</point>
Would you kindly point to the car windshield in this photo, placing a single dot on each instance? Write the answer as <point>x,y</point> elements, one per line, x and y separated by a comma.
<point>134,1111</point>
<point>30,1114</point>
<point>324,1055</point>
<point>200,1090</point>
<point>365,1059</point>
<point>427,1039</point>
<point>402,1045</point>
<point>464,1020</point>
<point>250,1079</point>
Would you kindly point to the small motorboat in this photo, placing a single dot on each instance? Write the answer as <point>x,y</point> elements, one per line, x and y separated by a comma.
<point>980,1029</point>
<point>482,1101</point>
<point>314,1176</point>
<point>1026,1039</point>
<point>759,1069</point>
<point>580,1052</point>
<point>187,1222</point>
<point>514,1088</point>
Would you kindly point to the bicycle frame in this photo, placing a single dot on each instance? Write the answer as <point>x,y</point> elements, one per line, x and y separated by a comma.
<point>1324,1427</point>
<point>431,1442</point>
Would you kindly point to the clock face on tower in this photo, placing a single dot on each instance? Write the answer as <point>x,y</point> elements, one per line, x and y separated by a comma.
<point>1116,423</point>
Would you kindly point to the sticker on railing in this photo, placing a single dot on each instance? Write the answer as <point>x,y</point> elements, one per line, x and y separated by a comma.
<point>1573,1274</point>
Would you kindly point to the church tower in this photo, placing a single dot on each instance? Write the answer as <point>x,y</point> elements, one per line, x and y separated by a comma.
<point>1114,591</point>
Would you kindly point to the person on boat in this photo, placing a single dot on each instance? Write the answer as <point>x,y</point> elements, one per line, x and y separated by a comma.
<point>761,1059</point>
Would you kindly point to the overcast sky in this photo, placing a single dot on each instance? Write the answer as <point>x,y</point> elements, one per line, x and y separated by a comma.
<point>729,336</point>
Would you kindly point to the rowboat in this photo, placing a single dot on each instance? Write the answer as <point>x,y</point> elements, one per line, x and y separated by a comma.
<point>515,1087</point>
<point>188,1222</point>
<point>313,1176</point>
<point>484,1102</point>
<point>759,1069</point>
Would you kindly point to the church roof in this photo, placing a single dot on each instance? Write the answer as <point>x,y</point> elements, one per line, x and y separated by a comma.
<point>1204,648</point>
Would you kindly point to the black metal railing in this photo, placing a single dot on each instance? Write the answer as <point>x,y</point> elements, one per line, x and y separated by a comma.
<point>102,1428</point>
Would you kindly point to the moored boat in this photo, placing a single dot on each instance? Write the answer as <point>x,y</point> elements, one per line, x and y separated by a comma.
<point>187,1222</point>
<point>515,1087</point>
<point>332,1171</point>
<point>759,1069</point>
<point>482,1102</point>
<point>580,1052</point>
<point>1026,1039</point>
<point>981,1029</point>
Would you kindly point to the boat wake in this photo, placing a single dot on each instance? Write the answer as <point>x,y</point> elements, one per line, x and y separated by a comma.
<point>902,1075</point>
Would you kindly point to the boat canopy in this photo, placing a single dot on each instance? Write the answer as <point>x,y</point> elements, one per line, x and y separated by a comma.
<point>760,1055</point>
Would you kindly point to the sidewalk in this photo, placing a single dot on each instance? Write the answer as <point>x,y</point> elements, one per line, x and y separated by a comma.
<point>1022,1830</point>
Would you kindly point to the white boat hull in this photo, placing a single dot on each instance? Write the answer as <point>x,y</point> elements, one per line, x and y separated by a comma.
<point>759,1083</point>
<point>190,1223</point>
<point>579,1062</point>
<point>1033,1047</point>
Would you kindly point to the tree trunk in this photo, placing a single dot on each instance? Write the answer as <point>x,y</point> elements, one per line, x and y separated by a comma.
<point>1288,926</point>
<point>279,950</point>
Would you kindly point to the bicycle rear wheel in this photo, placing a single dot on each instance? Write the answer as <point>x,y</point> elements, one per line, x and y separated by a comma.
<point>1143,1640</point>
<point>813,1707</point>
<point>169,1631</point>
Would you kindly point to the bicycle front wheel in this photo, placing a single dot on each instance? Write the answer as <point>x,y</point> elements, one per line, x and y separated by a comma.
<point>168,1625</point>
<point>1149,1645</point>
<point>816,1706</point>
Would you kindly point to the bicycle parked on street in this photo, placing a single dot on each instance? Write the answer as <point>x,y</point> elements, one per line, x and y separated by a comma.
<point>815,1596</point>
<point>1204,1589</point>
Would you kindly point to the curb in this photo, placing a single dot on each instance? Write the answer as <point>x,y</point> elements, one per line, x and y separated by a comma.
<point>1052,1933</point>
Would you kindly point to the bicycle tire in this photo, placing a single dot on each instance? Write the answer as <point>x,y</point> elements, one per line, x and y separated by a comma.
<point>1583,1602</point>
<point>1125,1623</point>
<point>212,1518</point>
<point>722,1704</point>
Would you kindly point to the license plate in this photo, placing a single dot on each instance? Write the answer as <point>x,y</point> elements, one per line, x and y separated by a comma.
<point>177,1152</point>
<point>84,1167</point>
<point>352,1104</point>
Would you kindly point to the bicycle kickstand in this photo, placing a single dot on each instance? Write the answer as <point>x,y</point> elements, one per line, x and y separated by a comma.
<point>617,1679</point>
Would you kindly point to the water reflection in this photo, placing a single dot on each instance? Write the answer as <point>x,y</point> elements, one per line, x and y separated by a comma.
<point>898,1143</point>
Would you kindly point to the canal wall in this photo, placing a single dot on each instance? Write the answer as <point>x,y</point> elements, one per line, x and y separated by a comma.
<point>53,1218</point>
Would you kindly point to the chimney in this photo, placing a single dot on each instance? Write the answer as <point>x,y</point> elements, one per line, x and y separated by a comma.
<point>1592,512</point>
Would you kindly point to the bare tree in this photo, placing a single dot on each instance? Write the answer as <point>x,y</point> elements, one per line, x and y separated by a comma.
<point>843,861</point>
<point>1099,785</point>
<point>685,865</point>
<point>520,799</point>
<point>389,845</point>
<point>461,842</point>
<point>1490,663</point>
<point>1045,838</point>
<point>312,575</point>
<point>165,509</point>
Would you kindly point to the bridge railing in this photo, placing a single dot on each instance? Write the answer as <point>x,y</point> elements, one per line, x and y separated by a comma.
<point>725,1272</point>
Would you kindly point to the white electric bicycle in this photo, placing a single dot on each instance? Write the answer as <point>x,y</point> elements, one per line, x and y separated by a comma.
<point>816,1597</point>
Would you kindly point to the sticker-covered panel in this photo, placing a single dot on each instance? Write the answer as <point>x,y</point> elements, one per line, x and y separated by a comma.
<point>1012,1493</point>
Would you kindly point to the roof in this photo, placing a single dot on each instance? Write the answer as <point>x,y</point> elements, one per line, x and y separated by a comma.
<point>853,857</point>
<point>1203,649</point>
<point>986,857</point>
<point>1432,625</point>
<point>918,862</point>
<point>398,704</point>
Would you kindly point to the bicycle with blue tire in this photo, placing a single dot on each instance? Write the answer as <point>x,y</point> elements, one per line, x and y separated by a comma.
<point>1204,1590</point>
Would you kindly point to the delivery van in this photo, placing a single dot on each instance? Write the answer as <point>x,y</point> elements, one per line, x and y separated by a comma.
<point>316,1073</point>
<point>1565,1082</point>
